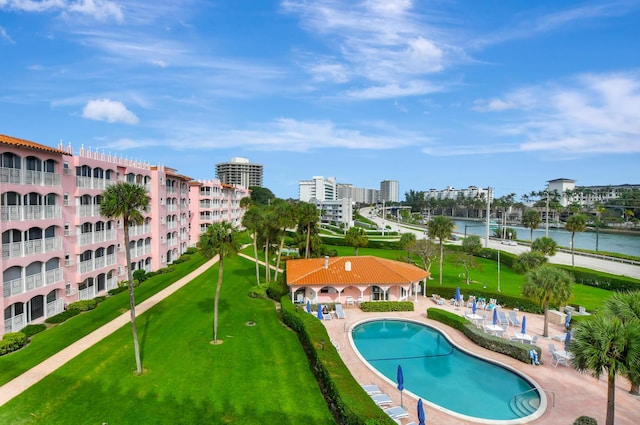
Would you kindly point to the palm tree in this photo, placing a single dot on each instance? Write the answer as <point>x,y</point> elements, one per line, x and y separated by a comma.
<point>529,261</point>
<point>220,239</point>
<point>531,220</point>
<point>286,218</point>
<point>252,221</point>
<point>626,306</point>
<point>356,237</point>
<point>547,246</point>
<point>547,284</point>
<point>127,201</point>
<point>440,227</point>
<point>307,218</point>
<point>575,223</point>
<point>604,344</point>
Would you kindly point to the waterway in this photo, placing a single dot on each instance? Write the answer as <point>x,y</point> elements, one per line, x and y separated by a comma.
<point>621,243</point>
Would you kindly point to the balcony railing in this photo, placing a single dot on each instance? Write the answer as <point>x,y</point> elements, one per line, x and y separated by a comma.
<point>93,183</point>
<point>30,212</point>
<point>30,177</point>
<point>28,283</point>
<point>32,247</point>
<point>88,210</point>
<point>96,237</point>
<point>96,263</point>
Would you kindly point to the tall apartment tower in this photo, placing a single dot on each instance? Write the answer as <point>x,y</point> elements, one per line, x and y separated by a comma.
<point>389,191</point>
<point>318,188</point>
<point>239,172</point>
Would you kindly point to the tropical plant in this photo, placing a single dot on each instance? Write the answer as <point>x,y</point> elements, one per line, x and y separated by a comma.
<point>286,218</point>
<point>252,220</point>
<point>219,239</point>
<point>472,245</point>
<point>528,261</point>
<point>356,237</point>
<point>531,220</point>
<point>575,223</point>
<point>406,239</point>
<point>308,217</point>
<point>604,345</point>
<point>127,201</point>
<point>426,250</point>
<point>545,245</point>
<point>626,306</point>
<point>547,284</point>
<point>440,227</point>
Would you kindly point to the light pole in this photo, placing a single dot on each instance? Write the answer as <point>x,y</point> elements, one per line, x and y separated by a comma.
<point>499,269</point>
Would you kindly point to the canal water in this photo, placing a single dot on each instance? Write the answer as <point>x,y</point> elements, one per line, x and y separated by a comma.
<point>607,242</point>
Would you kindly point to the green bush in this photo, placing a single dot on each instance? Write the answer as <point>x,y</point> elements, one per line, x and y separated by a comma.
<point>117,290</point>
<point>378,306</point>
<point>517,350</point>
<point>12,341</point>
<point>347,400</point>
<point>602,280</point>
<point>31,330</point>
<point>65,315</point>
<point>277,290</point>
<point>83,305</point>
<point>585,420</point>
<point>140,275</point>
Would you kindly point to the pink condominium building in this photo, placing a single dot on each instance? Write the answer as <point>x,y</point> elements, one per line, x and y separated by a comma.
<point>57,248</point>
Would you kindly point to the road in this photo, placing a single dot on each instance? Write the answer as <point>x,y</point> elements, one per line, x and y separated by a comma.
<point>604,265</point>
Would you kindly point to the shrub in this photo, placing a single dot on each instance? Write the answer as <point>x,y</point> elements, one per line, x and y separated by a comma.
<point>140,275</point>
<point>12,341</point>
<point>191,250</point>
<point>277,290</point>
<point>379,306</point>
<point>585,420</point>
<point>602,280</point>
<point>31,330</point>
<point>65,315</point>
<point>117,290</point>
<point>84,305</point>
<point>517,350</point>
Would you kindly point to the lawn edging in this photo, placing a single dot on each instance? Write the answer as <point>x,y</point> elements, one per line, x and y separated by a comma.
<point>346,399</point>
<point>517,350</point>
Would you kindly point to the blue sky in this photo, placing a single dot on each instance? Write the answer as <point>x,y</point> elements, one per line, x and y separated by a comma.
<point>433,94</point>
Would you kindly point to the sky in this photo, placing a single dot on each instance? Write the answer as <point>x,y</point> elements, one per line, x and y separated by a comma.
<point>431,93</point>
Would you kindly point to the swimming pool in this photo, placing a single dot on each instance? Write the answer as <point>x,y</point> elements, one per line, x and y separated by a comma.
<point>445,375</point>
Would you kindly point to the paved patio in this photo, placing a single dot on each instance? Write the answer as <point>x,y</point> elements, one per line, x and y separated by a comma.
<point>576,394</point>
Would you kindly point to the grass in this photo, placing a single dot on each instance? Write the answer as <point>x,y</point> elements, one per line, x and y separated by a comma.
<point>49,342</point>
<point>259,375</point>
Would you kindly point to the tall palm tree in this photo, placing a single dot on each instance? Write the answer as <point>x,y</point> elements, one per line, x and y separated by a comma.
<point>220,239</point>
<point>603,345</point>
<point>127,201</point>
<point>252,221</point>
<point>440,227</point>
<point>575,223</point>
<point>626,307</point>
<point>308,216</point>
<point>547,284</point>
<point>286,219</point>
<point>531,220</point>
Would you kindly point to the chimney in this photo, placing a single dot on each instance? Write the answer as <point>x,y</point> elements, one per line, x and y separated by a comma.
<point>347,266</point>
<point>326,261</point>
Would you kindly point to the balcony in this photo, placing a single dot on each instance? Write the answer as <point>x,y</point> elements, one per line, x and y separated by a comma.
<point>96,263</point>
<point>88,211</point>
<point>32,247</point>
<point>30,177</point>
<point>93,183</point>
<point>28,283</point>
<point>30,212</point>
<point>96,237</point>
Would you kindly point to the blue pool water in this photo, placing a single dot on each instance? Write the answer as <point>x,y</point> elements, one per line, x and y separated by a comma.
<point>437,371</point>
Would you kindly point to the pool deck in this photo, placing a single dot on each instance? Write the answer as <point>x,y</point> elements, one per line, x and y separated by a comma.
<point>576,394</point>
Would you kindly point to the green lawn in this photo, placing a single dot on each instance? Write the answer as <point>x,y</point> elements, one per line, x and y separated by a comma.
<point>259,375</point>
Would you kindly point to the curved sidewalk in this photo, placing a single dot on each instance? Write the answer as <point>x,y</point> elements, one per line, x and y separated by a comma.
<point>21,383</point>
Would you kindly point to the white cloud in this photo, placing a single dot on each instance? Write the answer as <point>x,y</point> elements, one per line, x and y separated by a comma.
<point>5,36</point>
<point>593,113</point>
<point>101,10</point>
<point>108,110</point>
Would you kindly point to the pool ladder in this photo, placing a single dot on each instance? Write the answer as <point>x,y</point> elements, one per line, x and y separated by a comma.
<point>520,404</point>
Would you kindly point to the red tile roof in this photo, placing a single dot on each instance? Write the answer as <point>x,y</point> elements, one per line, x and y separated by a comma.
<point>14,141</point>
<point>365,270</point>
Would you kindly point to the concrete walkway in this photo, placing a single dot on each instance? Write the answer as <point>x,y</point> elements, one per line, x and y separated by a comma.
<point>31,377</point>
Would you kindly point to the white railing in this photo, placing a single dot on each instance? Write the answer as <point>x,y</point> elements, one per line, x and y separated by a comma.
<point>54,307</point>
<point>35,246</point>
<point>92,183</point>
<point>30,212</point>
<point>88,210</point>
<point>87,293</point>
<point>10,175</point>
<point>28,283</point>
<point>139,230</point>
<point>41,179</point>
<point>15,323</point>
<point>95,237</point>
<point>172,207</point>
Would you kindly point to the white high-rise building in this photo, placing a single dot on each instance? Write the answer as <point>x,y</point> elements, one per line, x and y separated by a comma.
<point>318,188</point>
<point>390,191</point>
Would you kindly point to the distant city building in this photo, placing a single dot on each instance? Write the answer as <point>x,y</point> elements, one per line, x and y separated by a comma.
<point>472,192</point>
<point>57,248</point>
<point>318,188</point>
<point>587,195</point>
<point>240,172</point>
<point>337,212</point>
<point>390,191</point>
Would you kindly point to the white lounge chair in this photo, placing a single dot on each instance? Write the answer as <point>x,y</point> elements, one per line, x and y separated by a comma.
<point>371,389</point>
<point>381,399</point>
<point>502,318</point>
<point>557,358</point>
<point>514,319</point>
<point>340,312</point>
<point>396,412</point>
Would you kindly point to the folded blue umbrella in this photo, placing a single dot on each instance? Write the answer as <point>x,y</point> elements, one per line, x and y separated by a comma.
<point>421,415</point>
<point>524,325</point>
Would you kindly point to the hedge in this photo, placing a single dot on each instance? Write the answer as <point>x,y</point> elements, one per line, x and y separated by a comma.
<point>348,402</point>
<point>517,350</point>
<point>12,341</point>
<point>601,280</point>
<point>380,306</point>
